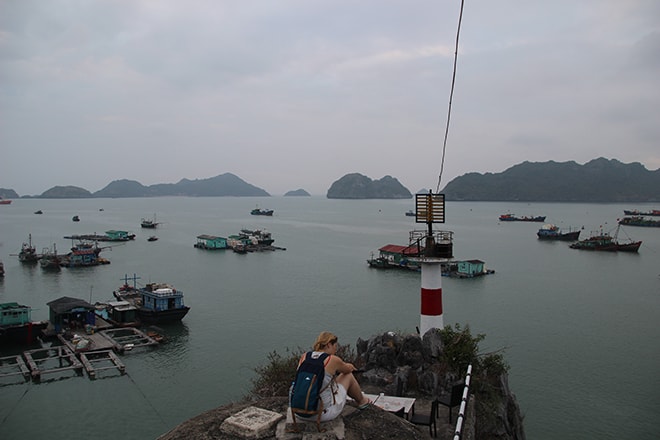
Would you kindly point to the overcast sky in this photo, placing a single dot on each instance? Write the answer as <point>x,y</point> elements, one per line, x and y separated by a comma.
<point>291,94</point>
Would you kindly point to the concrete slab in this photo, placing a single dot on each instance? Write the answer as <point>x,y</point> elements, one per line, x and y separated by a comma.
<point>252,423</point>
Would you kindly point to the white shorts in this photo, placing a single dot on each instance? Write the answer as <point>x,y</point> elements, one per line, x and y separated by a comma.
<point>332,412</point>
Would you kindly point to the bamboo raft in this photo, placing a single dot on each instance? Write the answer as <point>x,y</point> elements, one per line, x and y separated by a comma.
<point>90,361</point>
<point>64,358</point>
<point>13,366</point>
<point>128,338</point>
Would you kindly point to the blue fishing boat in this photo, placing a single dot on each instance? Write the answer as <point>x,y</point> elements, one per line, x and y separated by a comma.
<point>157,303</point>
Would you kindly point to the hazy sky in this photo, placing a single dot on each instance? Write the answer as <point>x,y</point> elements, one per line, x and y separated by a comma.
<point>291,94</point>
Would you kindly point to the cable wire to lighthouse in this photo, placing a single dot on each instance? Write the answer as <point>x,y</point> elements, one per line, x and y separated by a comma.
<point>451,97</point>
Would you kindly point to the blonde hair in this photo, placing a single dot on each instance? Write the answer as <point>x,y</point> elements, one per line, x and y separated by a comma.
<point>323,340</point>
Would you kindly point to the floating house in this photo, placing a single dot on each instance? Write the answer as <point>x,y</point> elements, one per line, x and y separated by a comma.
<point>211,242</point>
<point>395,256</point>
<point>16,323</point>
<point>71,313</point>
<point>470,268</point>
<point>120,313</point>
<point>115,235</point>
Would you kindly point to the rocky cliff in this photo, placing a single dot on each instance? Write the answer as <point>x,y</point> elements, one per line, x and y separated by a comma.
<point>396,365</point>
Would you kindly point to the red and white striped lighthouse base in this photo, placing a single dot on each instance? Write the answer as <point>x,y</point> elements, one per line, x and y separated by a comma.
<point>431,314</point>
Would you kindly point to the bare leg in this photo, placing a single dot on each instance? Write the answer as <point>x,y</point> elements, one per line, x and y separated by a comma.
<point>352,388</point>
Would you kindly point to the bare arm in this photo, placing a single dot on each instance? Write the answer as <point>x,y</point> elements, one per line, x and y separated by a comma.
<point>337,365</point>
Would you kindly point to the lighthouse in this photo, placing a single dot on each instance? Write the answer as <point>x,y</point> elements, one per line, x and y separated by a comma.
<point>437,249</point>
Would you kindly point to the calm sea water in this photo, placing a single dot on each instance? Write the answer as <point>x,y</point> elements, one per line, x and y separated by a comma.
<point>580,329</point>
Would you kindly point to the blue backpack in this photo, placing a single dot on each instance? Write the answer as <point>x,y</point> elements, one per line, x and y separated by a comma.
<point>305,395</point>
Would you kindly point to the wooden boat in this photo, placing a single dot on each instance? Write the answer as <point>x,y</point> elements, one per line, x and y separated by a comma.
<point>513,218</point>
<point>410,213</point>
<point>603,241</point>
<point>240,249</point>
<point>28,253</point>
<point>152,238</point>
<point>552,232</point>
<point>50,260</point>
<point>653,212</point>
<point>16,324</point>
<point>156,302</point>
<point>149,224</point>
<point>38,211</point>
<point>640,221</point>
<point>257,211</point>
<point>83,255</point>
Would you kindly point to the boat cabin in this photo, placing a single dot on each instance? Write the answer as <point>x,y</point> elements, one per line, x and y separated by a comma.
<point>470,268</point>
<point>14,314</point>
<point>71,313</point>
<point>161,297</point>
<point>82,257</point>
<point>211,242</point>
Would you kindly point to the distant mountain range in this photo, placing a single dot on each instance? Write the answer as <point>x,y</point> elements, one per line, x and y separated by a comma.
<point>600,181</point>
<point>223,185</point>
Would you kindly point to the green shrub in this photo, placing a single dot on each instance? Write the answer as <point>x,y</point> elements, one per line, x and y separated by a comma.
<point>275,377</point>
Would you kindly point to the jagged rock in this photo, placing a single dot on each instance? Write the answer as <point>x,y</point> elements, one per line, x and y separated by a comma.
<point>382,358</point>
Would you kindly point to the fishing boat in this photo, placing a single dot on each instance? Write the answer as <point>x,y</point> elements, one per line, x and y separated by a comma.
<point>39,211</point>
<point>603,241</point>
<point>653,212</point>
<point>640,221</point>
<point>513,218</point>
<point>5,201</point>
<point>157,303</point>
<point>16,324</point>
<point>149,223</point>
<point>75,218</point>
<point>83,255</point>
<point>49,259</point>
<point>410,213</point>
<point>152,238</point>
<point>257,211</point>
<point>28,253</point>
<point>552,232</point>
